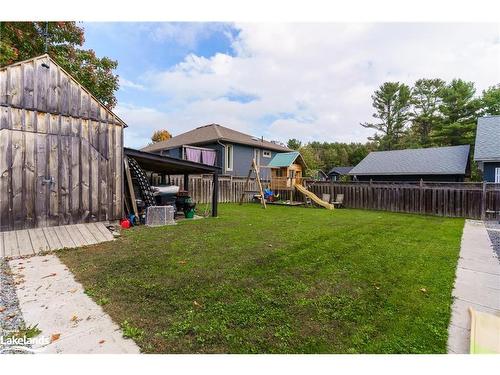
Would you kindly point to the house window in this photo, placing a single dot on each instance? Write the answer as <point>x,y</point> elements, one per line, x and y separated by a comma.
<point>266,154</point>
<point>229,157</point>
<point>497,175</point>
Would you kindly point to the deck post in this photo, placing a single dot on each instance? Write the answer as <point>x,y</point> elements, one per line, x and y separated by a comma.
<point>215,194</point>
<point>186,182</point>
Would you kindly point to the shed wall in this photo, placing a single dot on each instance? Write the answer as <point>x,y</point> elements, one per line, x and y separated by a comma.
<point>61,151</point>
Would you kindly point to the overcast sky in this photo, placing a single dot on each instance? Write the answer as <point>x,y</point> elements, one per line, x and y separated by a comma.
<point>280,81</point>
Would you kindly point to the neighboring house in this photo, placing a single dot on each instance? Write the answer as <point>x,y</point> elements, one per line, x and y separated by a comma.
<point>214,144</point>
<point>444,164</point>
<point>318,175</point>
<point>487,148</point>
<point>336,173</point>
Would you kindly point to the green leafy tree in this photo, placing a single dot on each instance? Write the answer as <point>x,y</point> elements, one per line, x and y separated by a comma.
<point>23,40</point>
<point>491,101</point>
<point>425,116</point>
<point>460,109</point>
<point>392,103</point>
<point>294,144</point>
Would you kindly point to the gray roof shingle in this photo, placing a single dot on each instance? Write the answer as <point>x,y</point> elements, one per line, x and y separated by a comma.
<point>487,139</point>
<point>422,161</point>
<point>340,170</point>
<point>212,133</point>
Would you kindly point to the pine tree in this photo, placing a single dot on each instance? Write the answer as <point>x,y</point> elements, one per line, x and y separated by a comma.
<point>426,100</point>
<point>460,110</point>
<point>392,103</point>
<point>491,101</point>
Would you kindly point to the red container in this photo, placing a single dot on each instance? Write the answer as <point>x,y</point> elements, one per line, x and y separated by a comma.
<point>125,223</point>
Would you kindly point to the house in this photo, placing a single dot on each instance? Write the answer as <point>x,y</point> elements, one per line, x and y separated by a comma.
<point>287,169</point>
<point>446,164</point>
<point>336,173</point>
<point>218,145</point>
<point>487,148</point>
<point>318,175</point>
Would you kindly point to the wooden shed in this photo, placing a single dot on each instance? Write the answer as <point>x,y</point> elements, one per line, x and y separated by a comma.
<point>61,150</point>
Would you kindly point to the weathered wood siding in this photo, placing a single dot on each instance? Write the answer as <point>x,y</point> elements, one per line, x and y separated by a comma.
<point>470,200</point>
<point>61,151</point>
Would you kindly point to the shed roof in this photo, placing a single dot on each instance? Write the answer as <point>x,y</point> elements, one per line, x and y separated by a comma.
<point>340,170</point>
<point>285,159</point>
<point>213,133</point>
<point>423,161</point>
<point>47,61</point>
<point>487,147</point>
<point>169,165</point>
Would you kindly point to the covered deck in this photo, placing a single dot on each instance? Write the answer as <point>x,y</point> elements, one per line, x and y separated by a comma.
<point>166,166</point>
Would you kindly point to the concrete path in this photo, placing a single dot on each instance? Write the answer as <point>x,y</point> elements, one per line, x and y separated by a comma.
<point>477,284</point>
<point>69,320</point>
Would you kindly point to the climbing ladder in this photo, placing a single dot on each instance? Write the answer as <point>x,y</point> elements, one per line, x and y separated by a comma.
<point>140,180</point>
<point>253,169</point>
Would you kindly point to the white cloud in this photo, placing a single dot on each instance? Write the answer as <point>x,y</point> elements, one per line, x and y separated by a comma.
<point>314,81</point>
<point>125,83</point>
<point>187,34</point>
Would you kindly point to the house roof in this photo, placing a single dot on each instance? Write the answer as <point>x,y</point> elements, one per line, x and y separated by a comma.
<point>423,161</point>
<point>487,139</point>
<point>340,170</point>
<point>46,59</point>
<point>213,133</point>
<point>285,159</point>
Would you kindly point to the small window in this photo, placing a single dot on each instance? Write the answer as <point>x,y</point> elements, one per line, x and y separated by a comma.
<point>266,154</point>
<point>229,157</point>
<point>497,175</point>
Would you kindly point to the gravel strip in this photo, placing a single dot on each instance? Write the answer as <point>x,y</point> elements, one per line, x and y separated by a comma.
<point>11,318</point>
<point>493,228</point>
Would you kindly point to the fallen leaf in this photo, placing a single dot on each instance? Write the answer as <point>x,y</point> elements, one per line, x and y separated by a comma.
<point>73,290</point>
<point>270,245</point>
<point>196,304</point>
<point>377,287</point>
<point>182,261</point>
<point>55,337</point>
<point>74,318</point>
<point>52,274</point>
<point>45,260</point>
<point>2,309</point>
<point>423,290</point>
<point>102,341</point>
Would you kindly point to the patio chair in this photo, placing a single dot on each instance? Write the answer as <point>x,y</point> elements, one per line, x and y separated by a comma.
<point>339,201</point>
<point>325,197</point>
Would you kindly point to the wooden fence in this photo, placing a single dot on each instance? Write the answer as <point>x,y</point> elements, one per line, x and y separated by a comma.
<point>471,200</point>
<point>230,188</point>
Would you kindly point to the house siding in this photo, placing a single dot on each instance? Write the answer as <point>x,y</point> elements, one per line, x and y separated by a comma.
<point>489,171</point>
<point>242,158</point>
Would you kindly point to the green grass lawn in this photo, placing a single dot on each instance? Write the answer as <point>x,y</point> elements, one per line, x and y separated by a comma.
<point>281,280</point>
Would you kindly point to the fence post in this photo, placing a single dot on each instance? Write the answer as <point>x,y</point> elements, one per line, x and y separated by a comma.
<point>421,195</point>
<point>483,202</point>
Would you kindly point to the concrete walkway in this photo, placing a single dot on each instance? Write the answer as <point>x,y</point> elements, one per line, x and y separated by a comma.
<point>477,284</point>
<point>70,321</point>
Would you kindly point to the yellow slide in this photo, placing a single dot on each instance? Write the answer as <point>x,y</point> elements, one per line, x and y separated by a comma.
<point>484,333</point>
<point>313,197</point>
